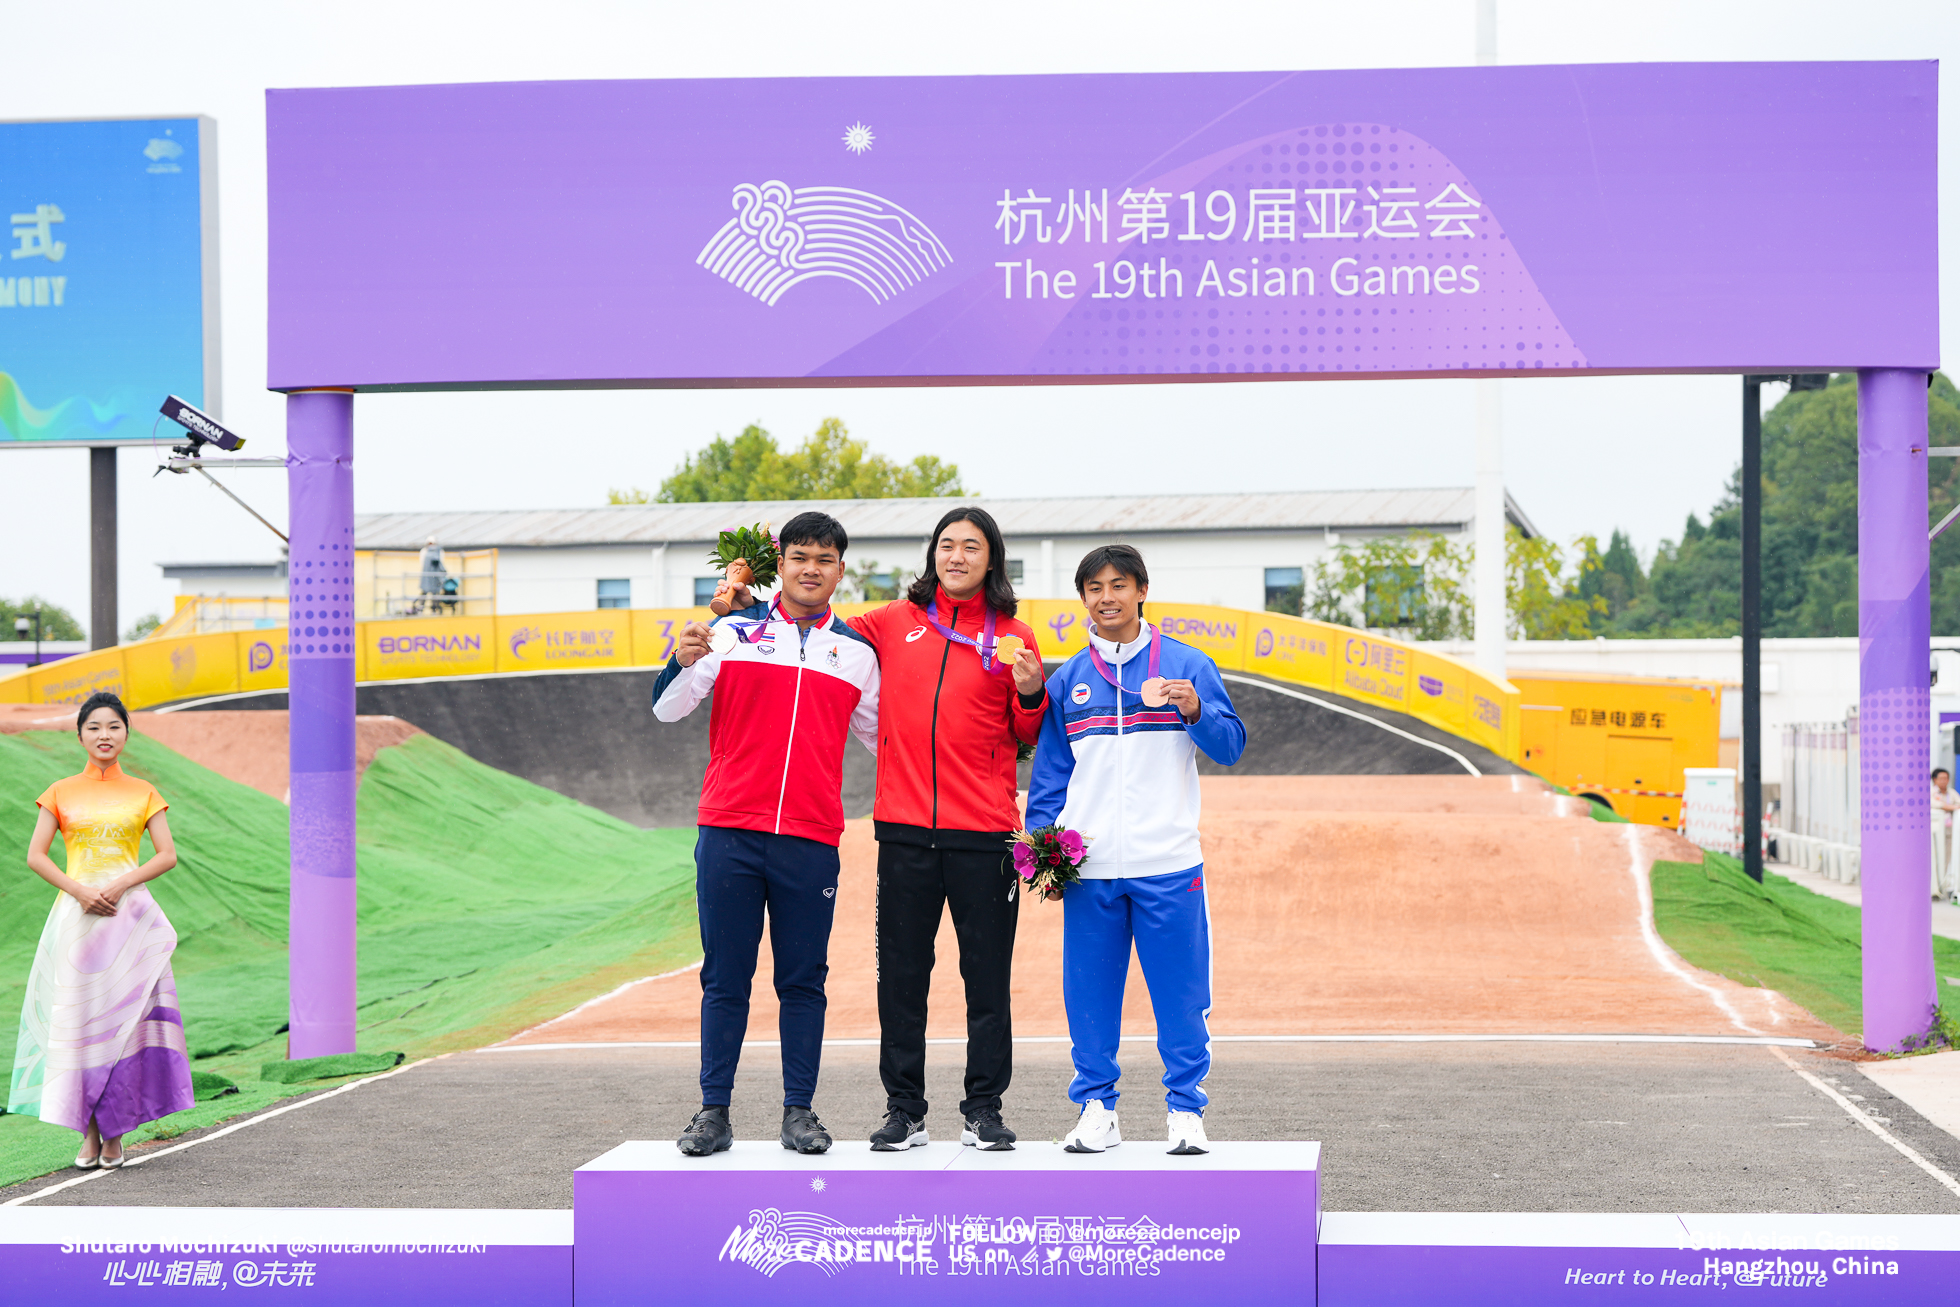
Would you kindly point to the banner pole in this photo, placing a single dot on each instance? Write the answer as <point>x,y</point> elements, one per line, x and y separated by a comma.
<point>320,659</point>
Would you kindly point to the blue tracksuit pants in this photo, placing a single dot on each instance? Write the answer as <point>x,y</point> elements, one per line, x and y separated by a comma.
<point>737,874</point>
<point>1167,920</point>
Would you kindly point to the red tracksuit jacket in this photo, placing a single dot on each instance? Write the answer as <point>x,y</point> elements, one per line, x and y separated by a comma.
<point>948,729</point>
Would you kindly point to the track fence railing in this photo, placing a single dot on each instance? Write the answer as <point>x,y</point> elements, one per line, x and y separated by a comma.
<point>1817,827</point>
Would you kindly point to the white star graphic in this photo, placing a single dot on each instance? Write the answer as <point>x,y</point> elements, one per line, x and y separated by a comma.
<point>817,1185</point>
<point>858,138</point>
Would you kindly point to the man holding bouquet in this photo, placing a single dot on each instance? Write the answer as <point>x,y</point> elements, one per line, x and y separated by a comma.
<point>1117,763</point>
<point>791,682</point>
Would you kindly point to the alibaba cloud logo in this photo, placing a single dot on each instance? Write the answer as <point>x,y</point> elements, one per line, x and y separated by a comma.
<point>782,236</point>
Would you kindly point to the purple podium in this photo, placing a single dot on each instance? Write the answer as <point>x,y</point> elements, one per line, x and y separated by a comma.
<point>945,1224</point>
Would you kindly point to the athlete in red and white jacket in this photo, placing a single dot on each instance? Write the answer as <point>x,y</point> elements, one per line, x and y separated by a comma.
<point>791,683</point>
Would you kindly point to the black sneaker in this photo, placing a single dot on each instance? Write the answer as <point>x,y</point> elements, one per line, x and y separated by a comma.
<point>985,1131</point>
<point>899,1132</point>
<point>708,1132</point>
<point>803,1132</point>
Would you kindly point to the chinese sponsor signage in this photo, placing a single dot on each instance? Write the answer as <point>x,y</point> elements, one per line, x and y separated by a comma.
<point>1177,225</point>
<point>109,278</point>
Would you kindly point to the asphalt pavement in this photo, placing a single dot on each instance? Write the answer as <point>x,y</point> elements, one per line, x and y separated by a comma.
<point>1406,1127</point>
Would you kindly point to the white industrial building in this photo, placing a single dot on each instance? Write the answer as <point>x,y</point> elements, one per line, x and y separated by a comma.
<point>1214,549</point>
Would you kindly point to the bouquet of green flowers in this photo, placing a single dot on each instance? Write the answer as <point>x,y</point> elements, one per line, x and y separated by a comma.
<point>746,556</point>
<point>1049,857</point>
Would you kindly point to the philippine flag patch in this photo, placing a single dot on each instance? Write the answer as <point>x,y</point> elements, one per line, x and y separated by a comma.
<point>1080,694</point>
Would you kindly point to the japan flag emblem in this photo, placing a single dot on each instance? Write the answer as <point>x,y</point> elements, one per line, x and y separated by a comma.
<point>1080,694</point>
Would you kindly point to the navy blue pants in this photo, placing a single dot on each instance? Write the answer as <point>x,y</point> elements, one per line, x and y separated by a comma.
<point>737,875</point>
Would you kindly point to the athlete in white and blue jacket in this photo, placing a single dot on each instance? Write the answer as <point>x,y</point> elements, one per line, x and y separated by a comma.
<point>1124,774</point>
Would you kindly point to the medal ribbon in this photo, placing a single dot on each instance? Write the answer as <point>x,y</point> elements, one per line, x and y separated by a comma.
<point>744,631</point>
<point>985,644</point>
<point>1115,678</point>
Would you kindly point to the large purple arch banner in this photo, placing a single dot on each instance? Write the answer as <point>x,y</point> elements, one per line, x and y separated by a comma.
<point>1613,218</point>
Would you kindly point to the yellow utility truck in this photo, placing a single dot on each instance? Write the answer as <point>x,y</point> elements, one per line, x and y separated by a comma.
<point>1623,740</point>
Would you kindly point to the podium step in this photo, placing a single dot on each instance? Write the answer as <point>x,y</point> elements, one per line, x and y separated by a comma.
<point>945,1224</point>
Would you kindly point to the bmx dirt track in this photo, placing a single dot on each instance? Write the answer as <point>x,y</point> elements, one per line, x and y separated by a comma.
<point>1340,905</point>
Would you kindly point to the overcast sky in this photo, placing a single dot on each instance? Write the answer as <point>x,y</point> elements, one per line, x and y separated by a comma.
<point>1582,454</point>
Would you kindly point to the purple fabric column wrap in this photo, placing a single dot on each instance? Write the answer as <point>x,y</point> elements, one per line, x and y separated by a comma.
<point>1894,689</point>
<point>320,652</point>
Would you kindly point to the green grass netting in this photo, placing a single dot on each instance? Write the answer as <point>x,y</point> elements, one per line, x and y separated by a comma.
<point>486,904</point>
<point>1776,935</point>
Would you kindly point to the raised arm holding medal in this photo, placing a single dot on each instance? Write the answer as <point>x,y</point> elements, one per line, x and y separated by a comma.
<point>1119,769</point>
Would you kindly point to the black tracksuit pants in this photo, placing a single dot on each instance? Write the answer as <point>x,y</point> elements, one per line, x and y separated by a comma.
<point>915,884</point>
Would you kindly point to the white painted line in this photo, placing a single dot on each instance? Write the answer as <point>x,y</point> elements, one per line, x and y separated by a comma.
<point>1750,1041</point>
<point>1663,956</point>
<point>1667,959</point>
<point>1358,716</point>
<point>609,994</point>
<point>1864,1119</point>
<point>135,1160</point>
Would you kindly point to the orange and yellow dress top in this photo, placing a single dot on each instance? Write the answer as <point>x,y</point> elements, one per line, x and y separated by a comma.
<point>101,1036</point>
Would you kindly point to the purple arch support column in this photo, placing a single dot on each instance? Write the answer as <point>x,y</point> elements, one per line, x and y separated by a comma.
<point>1894,690</point>
<point>320,654</point>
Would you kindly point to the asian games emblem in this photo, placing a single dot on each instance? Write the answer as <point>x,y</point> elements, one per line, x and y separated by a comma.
<point>782,236</point>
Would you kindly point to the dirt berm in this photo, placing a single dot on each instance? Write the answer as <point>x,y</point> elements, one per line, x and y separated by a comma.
<point>591,736</point>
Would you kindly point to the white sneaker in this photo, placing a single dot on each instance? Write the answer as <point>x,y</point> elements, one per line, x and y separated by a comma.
<point>1095,1130</point>
<point>1188,1133</point>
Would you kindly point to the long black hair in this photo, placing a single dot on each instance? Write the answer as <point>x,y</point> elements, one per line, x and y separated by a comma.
<point>100,699</point>
<point>999,591</point>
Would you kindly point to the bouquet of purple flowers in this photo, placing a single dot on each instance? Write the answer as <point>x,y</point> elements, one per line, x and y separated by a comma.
<point>1049,857</point>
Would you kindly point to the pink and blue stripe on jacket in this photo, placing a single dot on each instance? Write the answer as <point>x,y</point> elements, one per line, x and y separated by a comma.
<point>1124,775</point>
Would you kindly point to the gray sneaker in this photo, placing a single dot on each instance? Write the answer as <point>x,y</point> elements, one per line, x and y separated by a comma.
<point>899,1132</point>
<point>987,1132</point>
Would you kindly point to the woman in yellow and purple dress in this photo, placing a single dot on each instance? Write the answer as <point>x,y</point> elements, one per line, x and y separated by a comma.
<point>101,1046</point>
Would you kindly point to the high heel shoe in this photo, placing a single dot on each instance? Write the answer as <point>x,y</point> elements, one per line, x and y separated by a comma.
<point>88,1163</point>
<point>112,1163</point>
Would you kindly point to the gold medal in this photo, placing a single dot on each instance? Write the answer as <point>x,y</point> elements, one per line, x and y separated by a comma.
<point>1007,648</point>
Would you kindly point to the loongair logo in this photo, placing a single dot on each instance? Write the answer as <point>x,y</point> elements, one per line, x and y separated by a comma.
<point>522,636</point>
<point>780,237</point>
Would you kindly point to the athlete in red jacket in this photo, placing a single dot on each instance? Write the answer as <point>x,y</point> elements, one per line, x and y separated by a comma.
<point>951,720</point>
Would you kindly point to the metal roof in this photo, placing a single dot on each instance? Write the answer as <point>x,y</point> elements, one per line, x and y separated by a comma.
<point>1447,509</point>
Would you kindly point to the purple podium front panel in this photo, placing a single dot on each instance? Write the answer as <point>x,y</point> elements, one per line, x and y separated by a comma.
<point>1512,1259</point>
<point>321,1257</point>
<point>944,1224</point>
<point>1757,217</point>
